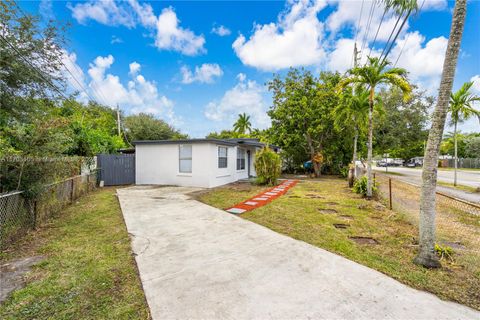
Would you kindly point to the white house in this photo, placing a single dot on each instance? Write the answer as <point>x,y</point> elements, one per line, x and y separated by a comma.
<point>195,162</point>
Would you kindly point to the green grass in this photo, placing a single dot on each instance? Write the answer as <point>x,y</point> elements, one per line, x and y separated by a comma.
<point>299,216</point>
<point>458,186</point>
<point>88,271</point>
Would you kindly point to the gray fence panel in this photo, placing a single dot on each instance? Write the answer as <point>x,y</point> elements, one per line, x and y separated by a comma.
<point>117,169</point>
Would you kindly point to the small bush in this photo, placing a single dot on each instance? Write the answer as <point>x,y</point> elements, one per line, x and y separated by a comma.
<point>344,171</point>
<point>360,186</point>
<point>444,252</point>
<point>268,166</point>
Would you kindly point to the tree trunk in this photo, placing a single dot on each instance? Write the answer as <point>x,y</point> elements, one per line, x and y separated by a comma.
<point>426,254</point>
<point>370,144</point>
<point>355,141</point>
<point>316,166</point>
<point>456,155</point>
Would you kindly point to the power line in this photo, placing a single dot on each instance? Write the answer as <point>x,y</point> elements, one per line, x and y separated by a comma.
<point>406,40</point>
<point>34,67</point>
<point>391,33</point>
<point>81,86</point>
<point>367,31</point>
<point>356,33</point>
<point>378,30</point>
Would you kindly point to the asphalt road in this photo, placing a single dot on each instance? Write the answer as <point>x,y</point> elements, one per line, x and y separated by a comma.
<point>469,178</point>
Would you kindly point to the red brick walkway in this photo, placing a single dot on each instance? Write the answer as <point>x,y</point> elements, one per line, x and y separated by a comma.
<point>263,198</point>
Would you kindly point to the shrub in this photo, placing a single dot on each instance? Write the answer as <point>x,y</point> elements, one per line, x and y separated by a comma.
<point>268,166</point>
<point>360,186</point>
<point>344,171</point>
<point>444,252</point>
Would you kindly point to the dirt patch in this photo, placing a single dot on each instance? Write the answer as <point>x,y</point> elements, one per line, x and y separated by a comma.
<point>327,211</point>
<point>331,203</point>
<point>346,217</point>
<point>364,240</point>
<point>314,196</point>
<point>341,225</point>
<point>456,245</point>
<point>294,197</point>
<point>12,274</point>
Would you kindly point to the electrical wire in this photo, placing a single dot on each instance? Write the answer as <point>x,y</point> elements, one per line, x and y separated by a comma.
<point>367,31</point>
<point>406,40</point>
<point>34,67</point>
<point>378,30</point>
<point>356,33</point>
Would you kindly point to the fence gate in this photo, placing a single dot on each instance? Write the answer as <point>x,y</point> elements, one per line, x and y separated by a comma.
<point>116,169</point>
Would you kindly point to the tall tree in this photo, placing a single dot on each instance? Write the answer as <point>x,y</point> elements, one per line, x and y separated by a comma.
<point>301,114</point>
<point>145,126</point>
<point>30,62</point>
<point>461,108</point>
<point>243,124</point>
<point>402,128</point>
<point>373,74</point>
<point>353,112</point>
<point>426,254</point>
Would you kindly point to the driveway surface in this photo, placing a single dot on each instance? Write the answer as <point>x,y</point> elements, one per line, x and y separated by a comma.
<point>199,262</point>
<point>464,177</point>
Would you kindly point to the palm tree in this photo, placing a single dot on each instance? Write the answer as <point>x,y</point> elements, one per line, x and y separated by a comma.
<point>373,74</point>
<point>353,112</point>
<point>243,124</point>
<point>426,255</point>
<point>461,109</point>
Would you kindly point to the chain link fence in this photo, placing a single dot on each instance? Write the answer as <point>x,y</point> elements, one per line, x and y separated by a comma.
<point>405,195</point>
<point>19,214</point>
<point>464,163</point>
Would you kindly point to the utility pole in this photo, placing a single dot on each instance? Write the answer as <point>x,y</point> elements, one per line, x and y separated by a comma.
<point>118,121</point>
<point>355,54</point>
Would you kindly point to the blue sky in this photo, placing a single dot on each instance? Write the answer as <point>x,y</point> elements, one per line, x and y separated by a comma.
<point>198,64</point>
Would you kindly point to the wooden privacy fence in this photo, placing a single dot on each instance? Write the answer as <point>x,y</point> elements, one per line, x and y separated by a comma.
<point>116,169</point>
<point>18,214</point>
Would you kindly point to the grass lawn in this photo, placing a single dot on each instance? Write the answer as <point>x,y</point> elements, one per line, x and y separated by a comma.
<point>459,187</point>
<point>88,271</point>
<point>309,211</point>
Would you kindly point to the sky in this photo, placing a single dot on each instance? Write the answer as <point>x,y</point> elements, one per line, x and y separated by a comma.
<point>197,65</point>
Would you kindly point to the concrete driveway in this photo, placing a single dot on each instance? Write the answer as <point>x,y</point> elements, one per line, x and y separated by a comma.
<point>198,262</point>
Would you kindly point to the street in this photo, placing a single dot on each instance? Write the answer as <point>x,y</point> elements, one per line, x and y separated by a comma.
<point>470,178</point>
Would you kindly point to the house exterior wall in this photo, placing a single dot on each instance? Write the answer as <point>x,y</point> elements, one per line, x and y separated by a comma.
<point>159,164</point>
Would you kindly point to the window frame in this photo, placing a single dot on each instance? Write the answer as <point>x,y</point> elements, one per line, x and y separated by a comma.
<point>180,158</point>
<point>241,160</point>
<point>220,164</point>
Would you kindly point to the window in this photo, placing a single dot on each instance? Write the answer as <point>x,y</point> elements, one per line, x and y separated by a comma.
<point>185,158</point>
<point>222,157</point>
<point>240,159</point>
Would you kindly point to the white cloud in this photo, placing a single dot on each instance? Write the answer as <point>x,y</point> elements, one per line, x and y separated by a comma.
<point>116,39</point>
<point>435,5</point>
<point>206,73</point>
<point>46,10</point>
<point>134,68</point>
<point>241,77</point>
<point>246,96</point>
<point>165,28</point>
<point>221,30</point>
<point>106,12</point>
<point>295,40</point>
<point>476,83</point>
<point>74,75</point>
<point>171,36</point>
<point>423,61</point>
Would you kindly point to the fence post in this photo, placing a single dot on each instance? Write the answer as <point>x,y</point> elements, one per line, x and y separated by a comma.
<point>390,191</point>
<point>72,190</point>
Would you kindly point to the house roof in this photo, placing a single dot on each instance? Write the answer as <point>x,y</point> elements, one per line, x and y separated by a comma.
<point>227,142</point>
<point>180,141</point>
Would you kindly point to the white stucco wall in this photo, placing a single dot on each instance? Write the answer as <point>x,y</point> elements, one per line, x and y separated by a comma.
<point>159,164</point>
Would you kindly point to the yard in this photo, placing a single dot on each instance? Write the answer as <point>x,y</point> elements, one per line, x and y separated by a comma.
<point>87,269</point>
<point>325,213</point>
